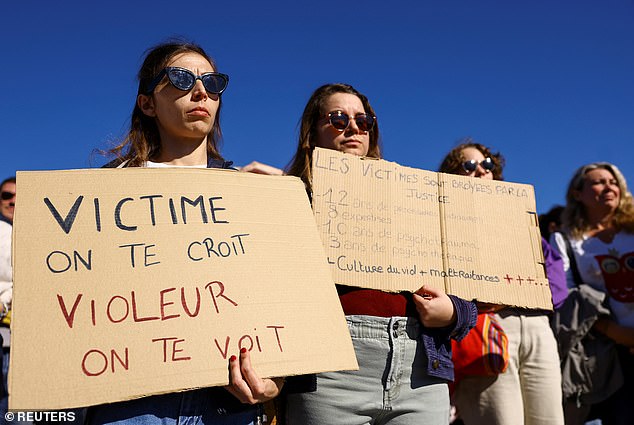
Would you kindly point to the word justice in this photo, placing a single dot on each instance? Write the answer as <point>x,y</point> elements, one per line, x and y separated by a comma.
<point>201,209</point>
<point>169,303</point>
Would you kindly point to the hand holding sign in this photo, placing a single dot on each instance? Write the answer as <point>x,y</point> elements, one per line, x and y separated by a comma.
<point>163,307</point>
<point>246,384</point>
<point>434,307</point>
<point>389,227</point>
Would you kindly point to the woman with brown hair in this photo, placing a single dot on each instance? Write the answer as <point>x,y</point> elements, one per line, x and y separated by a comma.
<point>402,340</point>
<point>175,123</point>
<point>529,391</point>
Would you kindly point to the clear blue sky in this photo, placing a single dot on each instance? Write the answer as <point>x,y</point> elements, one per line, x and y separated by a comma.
<point>549,83</point>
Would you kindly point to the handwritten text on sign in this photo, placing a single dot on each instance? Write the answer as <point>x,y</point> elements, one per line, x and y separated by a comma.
<point>144,282</point>
<point>396,228</point>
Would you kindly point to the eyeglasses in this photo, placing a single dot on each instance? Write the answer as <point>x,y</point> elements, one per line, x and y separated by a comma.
<point>184,79</point>
<point>341,120</point>
<point>7,195</point>
<point>472,165</point>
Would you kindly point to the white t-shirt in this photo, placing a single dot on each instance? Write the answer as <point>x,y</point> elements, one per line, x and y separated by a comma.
<point>608,267</point>
<point>6,273</point>
<point>150,164</point>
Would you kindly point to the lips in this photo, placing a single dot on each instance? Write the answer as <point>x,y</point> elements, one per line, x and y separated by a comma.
<point>352,141</point>
<point>199,110</point>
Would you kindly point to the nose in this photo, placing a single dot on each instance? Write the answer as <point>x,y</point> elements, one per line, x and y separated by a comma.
<point>611,187</point>
<point>198,91</point>
<point>480,171</point>
<point>353,127</point>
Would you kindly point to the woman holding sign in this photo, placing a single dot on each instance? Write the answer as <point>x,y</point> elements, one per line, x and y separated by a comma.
<point>402,340</point>
<point>529,391</point>
<point>175,123</point>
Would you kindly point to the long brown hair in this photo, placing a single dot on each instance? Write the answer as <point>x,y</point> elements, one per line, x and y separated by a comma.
<point>574,218</point>
<point>301,163</point>
<point>142,143</point>
<point>452,163</point>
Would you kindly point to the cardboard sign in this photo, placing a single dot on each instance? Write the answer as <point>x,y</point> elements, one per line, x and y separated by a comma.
<point>132,282</point>
<point>397,228</point>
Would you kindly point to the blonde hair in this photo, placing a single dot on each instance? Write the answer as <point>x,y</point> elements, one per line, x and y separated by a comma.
<point>574,217</point>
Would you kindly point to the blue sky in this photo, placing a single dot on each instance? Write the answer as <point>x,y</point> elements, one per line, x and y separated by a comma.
<point>550,84</point>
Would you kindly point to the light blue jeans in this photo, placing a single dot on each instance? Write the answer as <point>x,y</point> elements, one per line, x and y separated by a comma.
<point>390,387</point>
<point>206,406</point>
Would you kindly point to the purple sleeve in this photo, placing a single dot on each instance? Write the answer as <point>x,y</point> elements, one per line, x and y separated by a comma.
<point>556,275</point>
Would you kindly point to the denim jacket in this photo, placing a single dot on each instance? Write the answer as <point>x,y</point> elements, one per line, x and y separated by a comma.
<point>438,340</point>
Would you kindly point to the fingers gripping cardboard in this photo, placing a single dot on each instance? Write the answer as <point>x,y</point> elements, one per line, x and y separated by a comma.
<point>395,228</point>
<point>131,282</point>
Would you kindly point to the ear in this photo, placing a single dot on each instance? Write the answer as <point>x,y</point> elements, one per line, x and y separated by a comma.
<point>146,104</point>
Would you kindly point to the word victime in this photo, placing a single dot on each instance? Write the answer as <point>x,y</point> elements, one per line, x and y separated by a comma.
<point>368,169</point>
<point>170,303</point>
<point>202,209</point>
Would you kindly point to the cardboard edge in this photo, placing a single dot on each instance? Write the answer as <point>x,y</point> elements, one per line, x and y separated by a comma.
<point>441,179</point>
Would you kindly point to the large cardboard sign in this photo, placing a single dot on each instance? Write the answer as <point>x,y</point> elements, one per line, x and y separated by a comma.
<point>397,228</point>
<point>132,282</point>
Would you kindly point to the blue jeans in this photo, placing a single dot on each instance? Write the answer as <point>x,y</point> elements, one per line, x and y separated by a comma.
<point>205,406</point>
<point>390,387</point>
<point>4,397</point>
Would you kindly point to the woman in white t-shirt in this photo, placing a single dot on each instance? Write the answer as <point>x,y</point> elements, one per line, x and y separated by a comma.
<point>598,223</point>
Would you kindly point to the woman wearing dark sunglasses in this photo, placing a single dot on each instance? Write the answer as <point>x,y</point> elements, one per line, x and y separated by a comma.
<point>175,122</point>
<point>472,159</point>
<point>529,392</point>
<point>395,335</point>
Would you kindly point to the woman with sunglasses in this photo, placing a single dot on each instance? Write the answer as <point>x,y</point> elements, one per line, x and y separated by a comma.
<point>175,122</point>
<point>597,244</point>
<point>402,340</point>
<point>529,391</point>
<point>474,160</point>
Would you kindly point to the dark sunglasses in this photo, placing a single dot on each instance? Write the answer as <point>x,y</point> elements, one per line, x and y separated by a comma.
<point>341,120</point>
<point>7,195</point>
<point>472,165</point>
<point>184,79</point>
